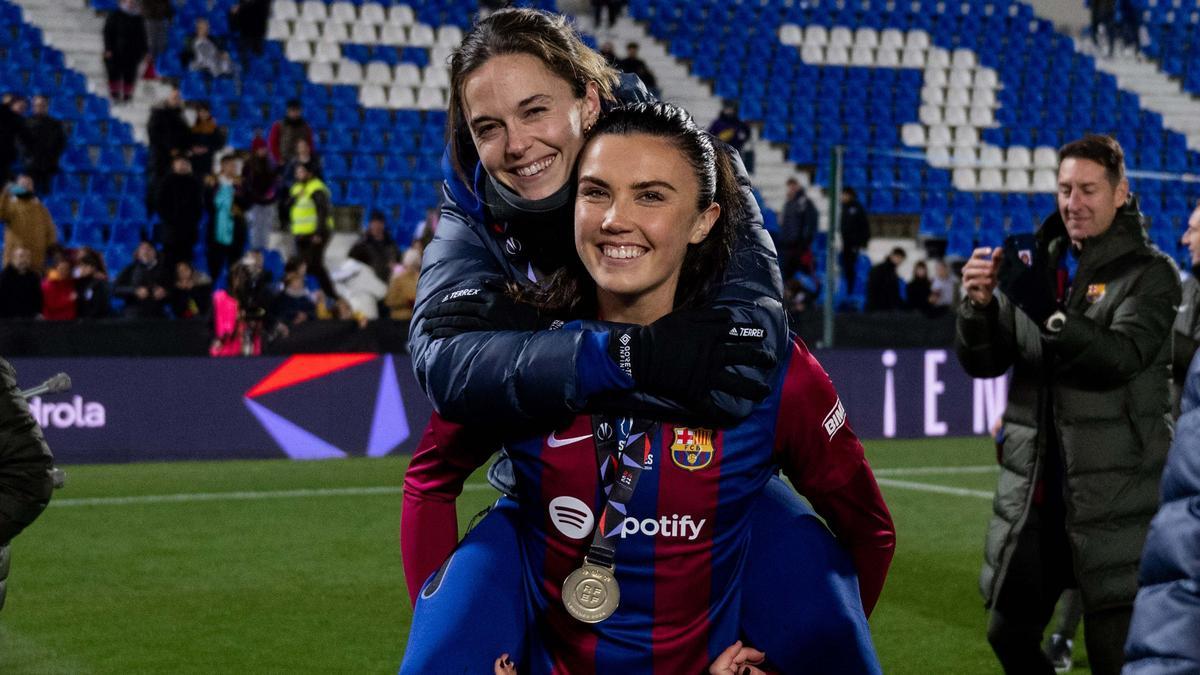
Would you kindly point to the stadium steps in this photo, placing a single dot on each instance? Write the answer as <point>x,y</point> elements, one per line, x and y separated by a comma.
<point>77,31</point>
<point>1158,91</point>
<point>680,86</point>
<point>1070,16</point>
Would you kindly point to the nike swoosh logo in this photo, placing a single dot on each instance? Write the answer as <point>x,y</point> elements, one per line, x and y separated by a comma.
<point>560,442</point>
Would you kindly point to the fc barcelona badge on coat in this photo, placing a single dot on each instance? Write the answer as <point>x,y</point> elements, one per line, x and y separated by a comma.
<point>692,448</point>
<point>1095,293</point>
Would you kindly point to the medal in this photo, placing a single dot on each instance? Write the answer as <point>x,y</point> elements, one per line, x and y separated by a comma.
<point>591,594</point>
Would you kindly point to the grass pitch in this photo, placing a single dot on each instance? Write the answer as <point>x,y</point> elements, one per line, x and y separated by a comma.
<point>273,566</point>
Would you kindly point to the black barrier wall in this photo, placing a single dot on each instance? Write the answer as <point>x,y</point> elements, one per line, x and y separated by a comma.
<point>320,406</point>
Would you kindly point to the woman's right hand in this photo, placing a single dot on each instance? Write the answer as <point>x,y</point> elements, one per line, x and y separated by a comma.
<point>738,659</point>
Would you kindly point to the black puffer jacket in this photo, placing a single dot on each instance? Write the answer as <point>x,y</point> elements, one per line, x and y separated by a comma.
<point>1100,386</point>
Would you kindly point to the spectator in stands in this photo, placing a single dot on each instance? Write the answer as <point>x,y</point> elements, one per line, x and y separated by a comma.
<point>260,185</point>
<point>142,284</point>
<point>797,231</point>
<point>310,220</point>
<point>358,285</point>
<point>1187,322</point>
<point>180,205</point>
<point>207,137</point>
<point>381,249</point>
<point>614,8</point>
<point>158,15</point>
<point>1085,332</point>
<point>92,294</point>
<point>632,63</point>
<point>883,284</point>
<point>294,304</point>
<point>1104,24</point>
<point>919,291</point>
<point>609,52</point>
<point>402,289</point>
<point>169,135</point>
<point>226,225</point>
<point>856,232</point>
<point>190,295</point>
<point>13,135</point>
<point>424,231</point>
<point>124,49</point>
<point>730,129</point>
<point>284,132</point>
<point>46,141</point>
<point>27,222</point>
<point>20,286</point>
<point>58,288</point>
<point>1129,25</point>
<point>204,53</point>
<point>943,288</point>
<point>302,154</point>
<point>248,20</point>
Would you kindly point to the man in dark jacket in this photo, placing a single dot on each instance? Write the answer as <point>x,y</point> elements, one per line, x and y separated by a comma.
<point>797,230</point>
<point>883,284</point>
<point>1187,322</point>
<point>169,135</point>
<point>142,284</point>
<point>285,132</point>
<point>380,247</point>
<point>125,46</point>
<point>856,232</point>
<point>1083,319</point>
<point>1166,615</point>
<point>248,18</point>
<point>12,132</point>
<point>20,287</point>
<point>25,465</point>
<point>180,204</point>
<point>46,142</point>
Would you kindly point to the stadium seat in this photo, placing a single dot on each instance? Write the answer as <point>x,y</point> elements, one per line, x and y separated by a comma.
<point>372,13</point>
<point>299,50</point>
<point>790,34</point>
<point>1045,180</point>
<point>401,15</point>
<point>335,32</point>
<point>364,33</point>
<point>401,96</point>
<point>343,11</point>
<point>1017,180</point>
<point>421,35</point>
<point>314,10</point>
<point>284,9</point>
<point>306,30</point>
<point>278,29</point>
<point>327,52</point>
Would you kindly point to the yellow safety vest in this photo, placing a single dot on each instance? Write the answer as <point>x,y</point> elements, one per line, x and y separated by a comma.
<point>304,208</point>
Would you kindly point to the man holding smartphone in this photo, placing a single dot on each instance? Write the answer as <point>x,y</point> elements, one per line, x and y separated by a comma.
<point>1081,312</point>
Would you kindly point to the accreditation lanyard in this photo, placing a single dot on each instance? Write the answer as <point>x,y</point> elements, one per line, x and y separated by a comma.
<point>623,452</point>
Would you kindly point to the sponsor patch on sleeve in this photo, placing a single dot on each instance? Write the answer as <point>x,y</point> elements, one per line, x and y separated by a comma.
<point>835,419</point>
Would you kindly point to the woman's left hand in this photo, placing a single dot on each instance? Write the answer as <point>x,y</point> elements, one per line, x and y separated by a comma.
<point>738,659</point>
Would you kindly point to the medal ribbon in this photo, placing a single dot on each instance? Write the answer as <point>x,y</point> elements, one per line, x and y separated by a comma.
<point>623,451</point>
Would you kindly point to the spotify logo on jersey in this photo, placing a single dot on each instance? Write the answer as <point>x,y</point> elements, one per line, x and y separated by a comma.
<point>571,516</point>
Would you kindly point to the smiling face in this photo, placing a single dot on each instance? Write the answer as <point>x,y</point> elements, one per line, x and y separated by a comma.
<point>1087,201</point>
<point>526,123</point>
<point>1191,236</point>
<point>635,214</point>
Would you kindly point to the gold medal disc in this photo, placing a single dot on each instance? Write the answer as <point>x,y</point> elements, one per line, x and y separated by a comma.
<point>591,594</point>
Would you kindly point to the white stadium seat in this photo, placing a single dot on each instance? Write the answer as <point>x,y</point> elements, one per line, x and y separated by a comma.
<point>991,157</point>
<point>812,54</point>
<point>930,114</point>
<point>298,50</point>
<point>912,135</point>
<point>965,136</point>
<point>314,10</point>
<point>939,134</point>
<point>278,29</point>
<point>335,32</point>
<point>790,34</point>
<point>932,95</point>
<point>364,34</point>
<point>1016,180</point>
<point>306,30</point>
<point>965,157</point>
<point>284,9</point>
<point>816,35</point>
<point>991,180</point>
<point>420,35</point>
<point>886,57</point>
<point>837,56</point>
<point>392,35</point>
<point>441,54</point>
<point>961,78</point>
<point>372,13</point>
<point>327,52</point>
<point>912,58</point>
<point>449,35</point>
<point>983,97</point>
<point>379,73</point>
<point>401,15</point>
<point>435,75</point>
<point>862,56</point>
<point>938,156</point>
<point>372,96</point>
<point>954,115</point>
<point>936,77</point>
<point>986,77</point>
<point>1045,180</point>
<point>957,96</point>
<point>343,11</point>
<point>866,37</point>
<point>840,36</point>
<point>430,99</point>
<point>1045,157</point>
<point>938,58</point>
<point>963,58</point>
<point>321,73</point>
<point>981,116</point>
<point>890,37</point>
<point>918,39</point>
<point>349,72</point>
<point>1017,158</point>
<point>964,179</point>
<point>407,74</point>
<point>401,97</point>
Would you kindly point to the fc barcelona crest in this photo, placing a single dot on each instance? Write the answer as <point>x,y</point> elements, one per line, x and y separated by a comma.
<point>1095,293</point>
<point>692,448</point>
